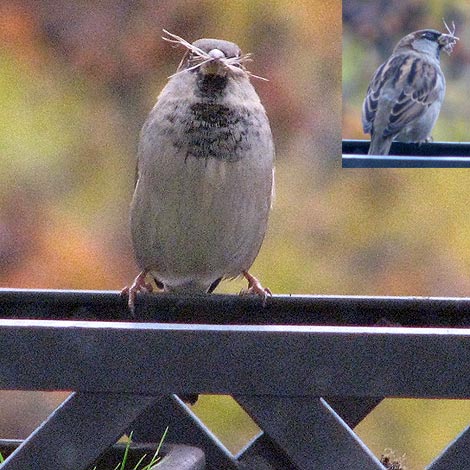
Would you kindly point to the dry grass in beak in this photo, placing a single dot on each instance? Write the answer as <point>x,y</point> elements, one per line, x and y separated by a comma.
<point>200,57</point>
<point>449,40</point>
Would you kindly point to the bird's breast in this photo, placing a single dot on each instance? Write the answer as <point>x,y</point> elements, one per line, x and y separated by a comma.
<point>202,202</point>
<point>214,130</point>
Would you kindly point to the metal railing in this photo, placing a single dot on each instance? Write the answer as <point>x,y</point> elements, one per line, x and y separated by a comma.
<point>307,369</point>
<point>406,155</point>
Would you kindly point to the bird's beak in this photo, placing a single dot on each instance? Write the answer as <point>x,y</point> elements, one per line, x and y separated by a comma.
<point>447,42</point>
<point>216,65</point>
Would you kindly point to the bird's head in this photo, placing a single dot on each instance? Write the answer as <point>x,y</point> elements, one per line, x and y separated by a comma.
<point>212,58</point>
<point>428,41</point>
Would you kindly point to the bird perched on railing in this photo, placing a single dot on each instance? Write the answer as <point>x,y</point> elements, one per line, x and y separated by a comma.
<point>204,175</point>
<point>406,92</point>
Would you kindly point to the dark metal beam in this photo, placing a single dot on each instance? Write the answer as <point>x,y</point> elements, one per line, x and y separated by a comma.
<point>149,358</point>
<point>372,161</point>
<point>262,453</point>
<point>184,427</point>
<point>233,309</point>
<point>432,149</point>
<point>175,456</point>
<point>407,155</point>
<point>456,455</point>
<point>353,409</point>
<point>223,349</point>
<point>311,434</point>
<point>77,433</point>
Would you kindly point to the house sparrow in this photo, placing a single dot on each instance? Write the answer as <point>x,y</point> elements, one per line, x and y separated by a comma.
<point>204,176</point>
<point>406,92</point>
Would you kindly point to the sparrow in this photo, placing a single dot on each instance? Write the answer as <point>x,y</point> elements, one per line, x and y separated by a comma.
<point>406,92</point>
<point>204,178</point>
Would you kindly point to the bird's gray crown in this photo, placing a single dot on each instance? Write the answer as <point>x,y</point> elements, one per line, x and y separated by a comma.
<point>229,49</point>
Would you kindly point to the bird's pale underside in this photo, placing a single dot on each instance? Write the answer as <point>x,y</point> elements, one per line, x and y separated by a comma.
<point>204,176</point>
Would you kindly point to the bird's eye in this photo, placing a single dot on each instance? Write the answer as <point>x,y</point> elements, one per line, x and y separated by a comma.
<point>430,36</point>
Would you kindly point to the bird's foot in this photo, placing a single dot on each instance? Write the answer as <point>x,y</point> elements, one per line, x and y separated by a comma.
<point>255,288</point>
<point>139,285</point>
<point>428,140</point>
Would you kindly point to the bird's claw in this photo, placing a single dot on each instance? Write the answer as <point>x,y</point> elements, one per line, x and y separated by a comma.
<point>139,285</point>
<point>255,288</point>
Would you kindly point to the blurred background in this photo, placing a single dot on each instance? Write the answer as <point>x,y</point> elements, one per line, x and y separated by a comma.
<point>77,81</point>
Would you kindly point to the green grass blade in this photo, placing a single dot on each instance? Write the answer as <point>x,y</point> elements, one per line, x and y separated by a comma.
<point>137,465</point>
<point>126,452</point>
<point>156,457</point>
<point>161,442</point>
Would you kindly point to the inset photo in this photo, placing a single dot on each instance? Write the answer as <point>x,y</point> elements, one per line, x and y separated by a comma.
<point>406,84</point>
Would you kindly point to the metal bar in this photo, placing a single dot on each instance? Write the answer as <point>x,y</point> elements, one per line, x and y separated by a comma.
<point>407,155</point>
<point>456,455</point>
<point>233,309</point>
<point>262,453</point>
<point>183,427</point>
<point>159,359</point>
<point>262,449</point>
<point>75,435</point>
<point>389,161</point>
<point>310,432</point>
<point>353,409</point>
<point>177,457</point>
<point>437,149</point>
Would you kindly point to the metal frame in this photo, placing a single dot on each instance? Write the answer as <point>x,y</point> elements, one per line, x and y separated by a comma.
<point>124,373</point>
<point>407,155</point>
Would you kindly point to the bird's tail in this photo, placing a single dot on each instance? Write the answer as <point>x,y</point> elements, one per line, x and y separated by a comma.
<point>380,145</point>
